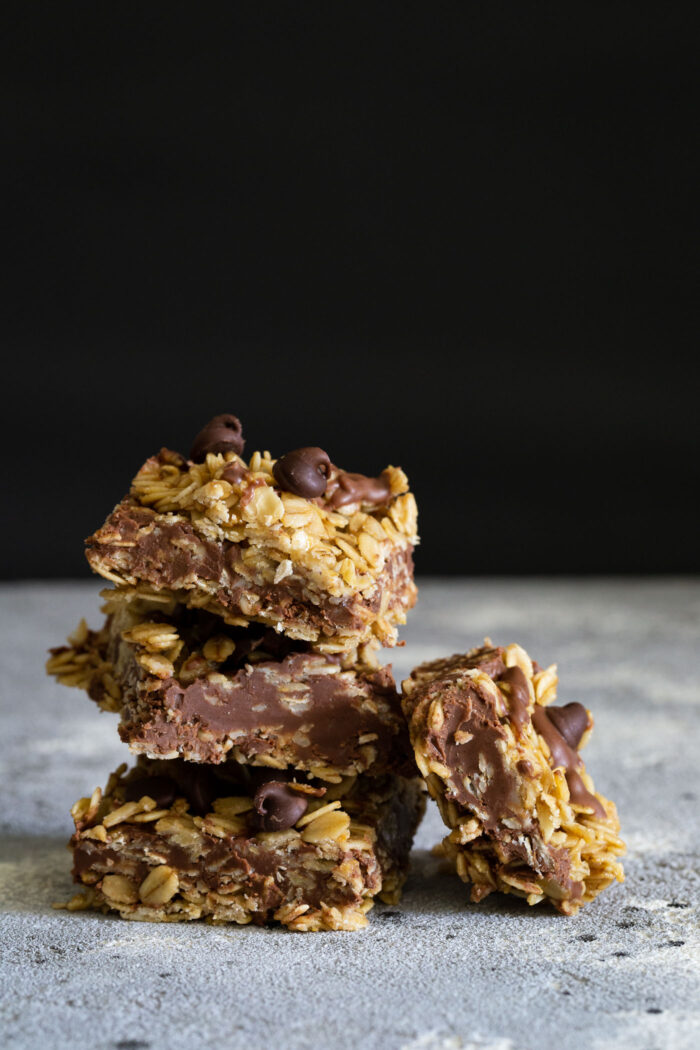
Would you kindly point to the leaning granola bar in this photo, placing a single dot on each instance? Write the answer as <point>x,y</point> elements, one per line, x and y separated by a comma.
<point>318,553</point>
<point>172,841</point>
<point>502,763</point>
<point>187,685</point>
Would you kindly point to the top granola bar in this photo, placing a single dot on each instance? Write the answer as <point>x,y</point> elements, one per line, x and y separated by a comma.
<point>321,554</point>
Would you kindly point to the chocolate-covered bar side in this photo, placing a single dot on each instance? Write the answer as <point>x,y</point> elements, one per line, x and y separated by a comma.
<point>502,763</point>
<point>172,841</point>
<point>318,553</point>
<point>187,685</point>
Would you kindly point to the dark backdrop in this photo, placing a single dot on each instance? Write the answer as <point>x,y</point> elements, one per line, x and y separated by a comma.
<point>453,236</point>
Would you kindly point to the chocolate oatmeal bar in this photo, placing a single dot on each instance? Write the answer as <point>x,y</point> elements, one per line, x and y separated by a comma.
<point>318,553</point>
<point>503,764</point>
<point>172,841</point>
<point>187,685</point>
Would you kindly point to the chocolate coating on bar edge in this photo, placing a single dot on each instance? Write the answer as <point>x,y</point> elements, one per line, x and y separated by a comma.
<point>278,806</point>
<point>223,433</point>
<point>564,757</point>
<point>468,710</point>
<point>517,695</point>
<point>304,471</point>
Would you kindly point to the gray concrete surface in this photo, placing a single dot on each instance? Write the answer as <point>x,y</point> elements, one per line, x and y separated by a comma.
<point>434,973</point>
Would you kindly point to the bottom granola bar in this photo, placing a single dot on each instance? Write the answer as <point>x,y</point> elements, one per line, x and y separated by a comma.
<point>171,841</point>
<point>505,771</point>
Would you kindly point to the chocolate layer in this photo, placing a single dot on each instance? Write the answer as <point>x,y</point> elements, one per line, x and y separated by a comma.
<point>281,710</point>
<point>270,700</point>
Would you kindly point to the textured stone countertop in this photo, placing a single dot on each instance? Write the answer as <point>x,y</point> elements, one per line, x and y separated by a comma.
<point>434,973</point>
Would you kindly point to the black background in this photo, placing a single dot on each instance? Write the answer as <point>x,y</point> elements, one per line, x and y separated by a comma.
<point>451,236</point>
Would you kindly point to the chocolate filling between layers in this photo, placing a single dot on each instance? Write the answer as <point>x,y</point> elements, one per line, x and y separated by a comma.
<point>325,728</point>
<point>298,705</point>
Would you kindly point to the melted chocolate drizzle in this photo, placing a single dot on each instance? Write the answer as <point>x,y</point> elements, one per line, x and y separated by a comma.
<point>346,488</point>
<point>517,695</point>
<point>566,758</point>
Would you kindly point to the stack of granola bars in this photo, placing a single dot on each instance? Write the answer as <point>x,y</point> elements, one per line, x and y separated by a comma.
<point>274,777</point>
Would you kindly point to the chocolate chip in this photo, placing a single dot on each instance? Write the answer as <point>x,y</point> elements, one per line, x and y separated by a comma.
<point>223,433</point>
<point>200,786</point>
<point>304,472</point>
<point>162,790</point>
<point>277,806</point>
<point>570,721</point>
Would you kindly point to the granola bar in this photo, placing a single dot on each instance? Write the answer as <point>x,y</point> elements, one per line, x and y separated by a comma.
<point>503,764</point>
<point>187,685</point>
<point>319,553</point>
<point>173,841</point>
